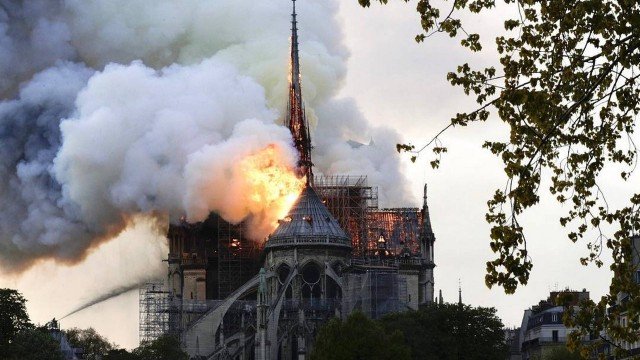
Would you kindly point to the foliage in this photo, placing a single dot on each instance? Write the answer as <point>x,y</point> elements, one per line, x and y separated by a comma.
<point>163,348</point>
<point>358,338</point>
<point>93,344</point>
<point>35,344</point>
<point>119,354</point>
<point>19,339</point>
<point>567,88</point>
<point>13,319</point>
<point>450,331</point>
<point>562,353</point>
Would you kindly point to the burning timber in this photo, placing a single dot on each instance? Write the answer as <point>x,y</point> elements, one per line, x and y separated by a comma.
<point>334,253</point>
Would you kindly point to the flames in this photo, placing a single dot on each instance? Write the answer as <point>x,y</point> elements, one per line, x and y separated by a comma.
<point>273,188</point>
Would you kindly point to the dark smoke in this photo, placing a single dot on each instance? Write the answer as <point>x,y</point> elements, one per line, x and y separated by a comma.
<point>33,37</point>
<point>34,217</point>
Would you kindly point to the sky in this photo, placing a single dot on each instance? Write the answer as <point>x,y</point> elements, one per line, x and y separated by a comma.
<point>401,83</point>
<point>396,83</point>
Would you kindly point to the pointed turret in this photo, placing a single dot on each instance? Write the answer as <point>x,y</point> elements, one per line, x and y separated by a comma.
<point>426,225</point>
<point>296,119</point>
<point>427,239</point>
<point>426,232</point>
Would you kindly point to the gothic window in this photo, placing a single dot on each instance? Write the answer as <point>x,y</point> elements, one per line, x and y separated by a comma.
<point>283,273</point>
<point>311,287</point>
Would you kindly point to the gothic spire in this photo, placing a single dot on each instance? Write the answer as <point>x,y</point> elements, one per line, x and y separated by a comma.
<point>426,217</point>
<point>295,57</point>
<point>296,119</point>
<point>426,232</point>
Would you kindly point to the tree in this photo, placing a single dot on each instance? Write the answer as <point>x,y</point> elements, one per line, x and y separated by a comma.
<point>13,318</point>
<point>19,339</point>
<point>567,88</point>
<point>562,353</point>
<point>35,344</point>
<point>119,354</point>
<point>164,348</point>
<point>94,345</point>
<point>450,331</point>
<point>358,338</point>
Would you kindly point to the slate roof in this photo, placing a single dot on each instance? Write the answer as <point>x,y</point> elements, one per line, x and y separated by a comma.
<point>309,222</point>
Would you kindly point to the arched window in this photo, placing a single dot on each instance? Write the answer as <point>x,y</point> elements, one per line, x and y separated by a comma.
<point>311,286</point>
<point>283,272</point>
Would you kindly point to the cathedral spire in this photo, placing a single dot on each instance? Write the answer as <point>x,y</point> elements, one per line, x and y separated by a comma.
<point>295,57</point>
<point>296,119</point>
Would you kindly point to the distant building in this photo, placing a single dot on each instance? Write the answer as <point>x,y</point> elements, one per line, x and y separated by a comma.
<point>621,301</point>
<point>542,329</point>
<point>512,340</point>
<point>68,351</point>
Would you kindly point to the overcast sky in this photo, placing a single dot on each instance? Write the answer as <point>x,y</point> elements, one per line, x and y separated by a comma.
<point>396,83</point>
<point>402,84</point>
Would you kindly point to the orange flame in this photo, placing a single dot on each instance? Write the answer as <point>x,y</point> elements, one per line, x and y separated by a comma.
<point>274,186</point>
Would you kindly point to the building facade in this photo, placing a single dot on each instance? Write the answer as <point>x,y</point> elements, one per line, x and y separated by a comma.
<point>542,330</point>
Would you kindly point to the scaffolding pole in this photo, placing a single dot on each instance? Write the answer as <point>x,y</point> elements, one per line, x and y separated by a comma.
<point>349,199</point>
<point>154,311</point>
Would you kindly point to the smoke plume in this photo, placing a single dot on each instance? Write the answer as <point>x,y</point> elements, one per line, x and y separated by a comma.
<point>112,109</point>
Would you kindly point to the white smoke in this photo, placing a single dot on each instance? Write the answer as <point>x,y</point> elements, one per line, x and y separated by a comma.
<point>181,92</point>
<point>374,156</point>
<point>133,150</point>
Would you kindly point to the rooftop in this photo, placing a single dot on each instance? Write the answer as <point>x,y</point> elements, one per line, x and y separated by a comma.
<point>309,222</point>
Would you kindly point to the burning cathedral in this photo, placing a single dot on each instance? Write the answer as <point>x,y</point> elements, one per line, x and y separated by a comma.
<point>336,252</point>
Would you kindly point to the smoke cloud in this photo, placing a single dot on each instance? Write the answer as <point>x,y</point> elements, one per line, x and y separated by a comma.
<point>141,149</point>
<point>35,219</point>
<point>107,114</point>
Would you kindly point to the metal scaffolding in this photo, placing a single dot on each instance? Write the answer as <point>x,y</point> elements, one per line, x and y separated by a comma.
<point>154,311</point>
<point>220,249</point>
<point>399,229</point>
<point>375,291</point>
<point>349,199</point>
<point>237,257</point>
